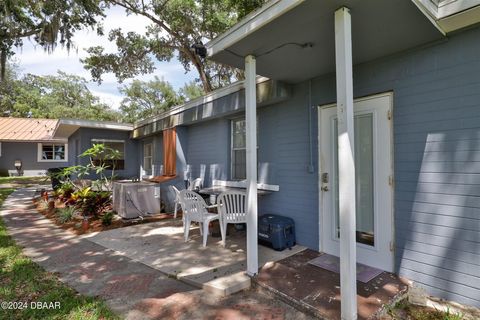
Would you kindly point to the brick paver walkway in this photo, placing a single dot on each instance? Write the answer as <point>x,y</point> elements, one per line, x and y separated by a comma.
<point>130,288</point>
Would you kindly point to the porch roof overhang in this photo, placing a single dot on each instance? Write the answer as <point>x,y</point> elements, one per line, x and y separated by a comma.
<point>294,40</point>
<point>66,127</point>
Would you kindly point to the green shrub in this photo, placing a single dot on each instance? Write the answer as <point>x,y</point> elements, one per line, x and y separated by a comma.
<point>65,214</point>
<point>107,218</point>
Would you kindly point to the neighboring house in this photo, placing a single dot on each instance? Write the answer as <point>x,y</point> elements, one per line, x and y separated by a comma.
<point>82,134</point>
<point>416,91</point>
<point>40,144</point>
<point>30,142</point>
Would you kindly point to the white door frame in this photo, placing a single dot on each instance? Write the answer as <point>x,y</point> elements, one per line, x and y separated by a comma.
<point>388,265</point>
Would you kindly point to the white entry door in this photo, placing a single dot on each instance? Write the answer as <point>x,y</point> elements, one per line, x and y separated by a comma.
<point>373,173</point>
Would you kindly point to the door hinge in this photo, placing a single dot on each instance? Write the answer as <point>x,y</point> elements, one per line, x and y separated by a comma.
<point>389,114</point>
<point>390,181</point>
<point>392,246</point>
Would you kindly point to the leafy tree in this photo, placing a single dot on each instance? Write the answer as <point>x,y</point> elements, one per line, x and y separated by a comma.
<point>191,91</point>
<point>48,22</point>
<point>53,96</point>
<point>147,98</point>
<point>175,26</point>
<point>144,99</point>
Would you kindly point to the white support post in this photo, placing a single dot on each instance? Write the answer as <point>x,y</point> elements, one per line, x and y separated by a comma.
<point>251,145</point>
<point>346,163</point>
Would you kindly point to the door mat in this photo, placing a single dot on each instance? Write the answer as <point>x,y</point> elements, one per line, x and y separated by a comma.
<point>332,263</point>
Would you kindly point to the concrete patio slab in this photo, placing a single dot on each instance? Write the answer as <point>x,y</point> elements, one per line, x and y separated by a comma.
<point>161,245</point>
<point>130,288</point>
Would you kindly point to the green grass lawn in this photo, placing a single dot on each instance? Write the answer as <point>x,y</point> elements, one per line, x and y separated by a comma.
<point>22,280</point>
<point>21,181</point>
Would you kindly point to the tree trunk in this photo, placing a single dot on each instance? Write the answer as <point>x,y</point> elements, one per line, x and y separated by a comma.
<point>3,65</point>
<point>199,65</point>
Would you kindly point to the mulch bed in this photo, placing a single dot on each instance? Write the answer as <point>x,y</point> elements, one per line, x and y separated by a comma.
<point>95,223</point>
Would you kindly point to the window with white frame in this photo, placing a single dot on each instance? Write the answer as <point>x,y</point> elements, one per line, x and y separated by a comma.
<point>147,156</point>
<point>239,152</point>
<point>118,145</point>
<point>239,149</point>
<point>52,152</point>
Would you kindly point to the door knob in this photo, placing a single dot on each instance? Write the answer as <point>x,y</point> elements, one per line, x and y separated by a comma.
<point>324,188</point>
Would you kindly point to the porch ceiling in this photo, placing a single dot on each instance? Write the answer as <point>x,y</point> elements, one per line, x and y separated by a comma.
<point>379,28</point>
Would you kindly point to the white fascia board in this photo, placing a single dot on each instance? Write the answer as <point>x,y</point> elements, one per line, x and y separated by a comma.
<point>452,15</point>
<point>455,7</point>
<point>95,124</point>
<point>214,95</point>
<point>429,9</point>
<point>250,24</point>
<point>458,21</point>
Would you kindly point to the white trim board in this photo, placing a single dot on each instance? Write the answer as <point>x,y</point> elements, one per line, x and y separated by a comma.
<point>243,184</point>
<point>251,23</point>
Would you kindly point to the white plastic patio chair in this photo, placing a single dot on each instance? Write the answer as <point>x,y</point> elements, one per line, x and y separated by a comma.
<point>176,201</point>
<point>195,210</point>
<point>196,184</point>
<point>232,209</point>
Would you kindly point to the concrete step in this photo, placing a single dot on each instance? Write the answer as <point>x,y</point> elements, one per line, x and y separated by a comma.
<point>219,281</point>
<point>228,285</point>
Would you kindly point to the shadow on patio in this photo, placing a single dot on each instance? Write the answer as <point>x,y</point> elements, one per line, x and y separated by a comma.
<point>317,291</point>
<point>160,245</point>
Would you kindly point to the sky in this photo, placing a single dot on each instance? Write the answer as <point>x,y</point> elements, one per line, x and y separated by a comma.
<point>33,59</point>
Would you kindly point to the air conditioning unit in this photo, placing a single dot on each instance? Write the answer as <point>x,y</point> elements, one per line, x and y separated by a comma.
<point>136,199</point>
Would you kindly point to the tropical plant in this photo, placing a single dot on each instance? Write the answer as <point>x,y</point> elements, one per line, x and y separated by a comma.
<point>107,218</point>
<point>91,203</point>
<point>96,202</point>
<point>65,214</point>
<point>102,158</point>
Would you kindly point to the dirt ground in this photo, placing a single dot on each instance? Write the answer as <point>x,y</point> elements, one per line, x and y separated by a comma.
<point>95,223</point>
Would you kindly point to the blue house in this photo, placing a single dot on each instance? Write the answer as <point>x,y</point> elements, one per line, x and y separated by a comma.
<point>366,117</point>
<point>35,145</point>
<point>400,155</point>
<point>27,147</point>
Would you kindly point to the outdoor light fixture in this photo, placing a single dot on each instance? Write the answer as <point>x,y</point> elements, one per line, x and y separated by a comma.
<point>18,166</point>
<point>199,49</point>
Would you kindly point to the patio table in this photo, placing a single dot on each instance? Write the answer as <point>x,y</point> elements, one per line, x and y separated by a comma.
<point>215,191</point>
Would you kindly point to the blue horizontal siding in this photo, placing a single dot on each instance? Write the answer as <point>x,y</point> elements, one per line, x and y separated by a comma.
<point>436,120</point>
<point>208,147</point>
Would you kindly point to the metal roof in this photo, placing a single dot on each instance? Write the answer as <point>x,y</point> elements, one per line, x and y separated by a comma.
<point>26,129</point>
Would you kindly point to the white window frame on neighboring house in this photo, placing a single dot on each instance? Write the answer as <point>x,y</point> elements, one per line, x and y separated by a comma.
<point>40,152</point>
<point>148,158</point>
